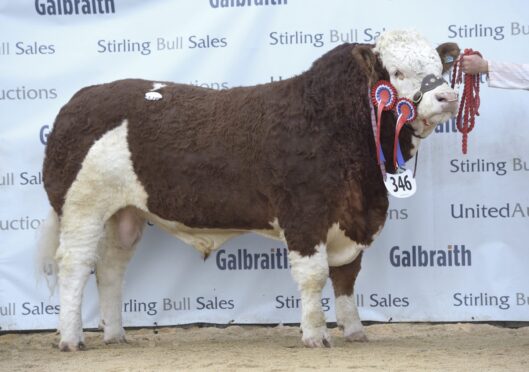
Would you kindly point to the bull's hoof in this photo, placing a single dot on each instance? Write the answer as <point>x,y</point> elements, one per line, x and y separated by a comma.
<point>316,342</point>
<point>116,340</point>
<point>115,335</point>
<point>316,338</point>
<point>71,346</point>
<point>358,336</point>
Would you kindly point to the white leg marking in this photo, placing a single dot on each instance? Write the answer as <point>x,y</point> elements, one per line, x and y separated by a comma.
<point>76,258</point>
<point>348,319</point>
<point>311,273</point>
<point>71,292</point>
<point>110,270</point>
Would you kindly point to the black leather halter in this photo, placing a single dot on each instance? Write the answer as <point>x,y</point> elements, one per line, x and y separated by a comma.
<point>429,83</point>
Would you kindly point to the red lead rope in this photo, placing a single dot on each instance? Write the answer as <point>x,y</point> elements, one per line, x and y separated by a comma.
<point>469,106</point>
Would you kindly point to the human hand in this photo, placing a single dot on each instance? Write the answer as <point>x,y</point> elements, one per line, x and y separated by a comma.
<point>474,64</point>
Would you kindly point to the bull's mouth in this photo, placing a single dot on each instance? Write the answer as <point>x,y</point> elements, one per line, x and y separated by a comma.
<point>426,123</point>
<point>449,111</point>
<point>423,127</point>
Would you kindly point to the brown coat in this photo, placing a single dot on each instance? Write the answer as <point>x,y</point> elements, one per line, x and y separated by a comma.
<point>301,150</point>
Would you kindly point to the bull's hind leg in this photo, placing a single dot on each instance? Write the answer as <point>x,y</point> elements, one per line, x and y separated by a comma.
<point>105,183</point>
<point>310,270</point>
<point>122,232</point>
<point>76,258</point>
<point>343,279</point>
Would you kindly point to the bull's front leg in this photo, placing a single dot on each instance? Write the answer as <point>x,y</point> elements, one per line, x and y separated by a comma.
<point>310,270</point>
<point>343,279</point>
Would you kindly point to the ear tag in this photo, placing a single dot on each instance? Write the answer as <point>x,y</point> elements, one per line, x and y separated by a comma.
<point>401,184</point>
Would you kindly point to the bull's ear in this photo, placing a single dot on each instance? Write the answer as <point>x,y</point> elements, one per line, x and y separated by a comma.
<point>367,60</point>
<point>448,52</point>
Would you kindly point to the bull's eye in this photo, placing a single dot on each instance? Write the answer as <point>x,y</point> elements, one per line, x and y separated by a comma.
<point>398,75</point>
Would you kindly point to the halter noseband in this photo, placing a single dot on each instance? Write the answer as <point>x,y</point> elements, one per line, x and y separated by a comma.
<point>430,82</point>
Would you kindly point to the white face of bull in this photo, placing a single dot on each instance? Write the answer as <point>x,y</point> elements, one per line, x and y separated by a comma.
<point>409,58</point>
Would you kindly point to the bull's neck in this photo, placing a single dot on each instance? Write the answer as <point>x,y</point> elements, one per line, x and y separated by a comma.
<point>337,97</point>
<point>331,93</point>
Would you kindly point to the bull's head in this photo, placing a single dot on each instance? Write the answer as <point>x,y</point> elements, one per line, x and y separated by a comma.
<point>415,69</point>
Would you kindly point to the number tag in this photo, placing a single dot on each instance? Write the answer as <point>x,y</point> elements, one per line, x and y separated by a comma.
<point>401,185</point>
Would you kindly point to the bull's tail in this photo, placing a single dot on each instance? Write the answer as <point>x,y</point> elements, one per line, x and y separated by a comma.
<point>48,242</point>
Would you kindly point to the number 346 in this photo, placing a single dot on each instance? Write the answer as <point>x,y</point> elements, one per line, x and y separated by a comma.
<point>400,183</point>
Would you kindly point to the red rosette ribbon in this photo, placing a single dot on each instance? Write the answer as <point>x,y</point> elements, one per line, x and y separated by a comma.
<point>407,113</point>
<point>384,97</point>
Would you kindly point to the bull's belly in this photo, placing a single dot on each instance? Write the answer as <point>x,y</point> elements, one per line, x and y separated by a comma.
<point>206,240</point>
<point>340,249</point>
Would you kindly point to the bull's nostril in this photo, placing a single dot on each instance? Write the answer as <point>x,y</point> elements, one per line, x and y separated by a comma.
<point>447,97</point>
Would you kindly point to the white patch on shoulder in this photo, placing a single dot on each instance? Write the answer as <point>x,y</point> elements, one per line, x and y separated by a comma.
<point>340,249</point>
<point>152,95</point>
<point>156,86</point>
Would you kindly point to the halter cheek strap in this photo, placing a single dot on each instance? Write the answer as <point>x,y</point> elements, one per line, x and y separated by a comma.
<point>430,82</point>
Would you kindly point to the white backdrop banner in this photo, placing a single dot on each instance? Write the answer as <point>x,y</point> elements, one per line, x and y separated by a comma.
<point>471,213</point>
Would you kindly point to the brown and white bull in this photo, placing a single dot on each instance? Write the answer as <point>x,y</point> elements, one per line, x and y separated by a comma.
<point>293,160</point>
